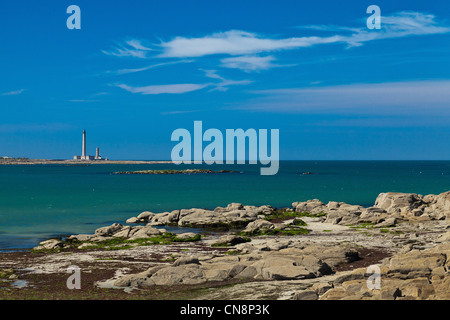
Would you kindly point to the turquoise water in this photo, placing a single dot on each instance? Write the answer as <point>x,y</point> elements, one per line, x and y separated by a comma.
<point>40,201</point>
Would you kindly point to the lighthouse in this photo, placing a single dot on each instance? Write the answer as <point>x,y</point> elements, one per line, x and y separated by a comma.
<point>84,155</point>
<point>83,150</point>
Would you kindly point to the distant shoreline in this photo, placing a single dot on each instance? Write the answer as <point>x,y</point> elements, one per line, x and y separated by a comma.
<point>25,161</point>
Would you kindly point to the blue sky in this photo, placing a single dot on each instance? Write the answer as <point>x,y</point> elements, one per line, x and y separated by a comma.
<point>136,71</point>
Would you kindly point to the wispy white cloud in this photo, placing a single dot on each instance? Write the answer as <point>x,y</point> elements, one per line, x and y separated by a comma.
<point>397,25</point>
<point>13,93</point>
<point>136,44</point>
<point>250,63</point>
<point>126,71</point>
<point>166,88</point>
<point>235,42</point>
<point>178,112</point>
<point>419,97</point>
<point>131,48</point>
<point>221,85</point>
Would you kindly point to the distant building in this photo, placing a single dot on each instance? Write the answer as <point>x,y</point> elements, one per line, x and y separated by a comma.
<point>83,152</point>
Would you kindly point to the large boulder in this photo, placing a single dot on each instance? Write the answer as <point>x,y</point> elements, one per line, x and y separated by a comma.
<point>145,216</point>
<point>146,232</point>
<point>229,240</point>
<point>200,218</point>
<point>183,274</point>
<point>395,202</point>
<point>51,244</point>
<point>312,206</point>
<point>108,231</point>
<point>258,226</point>
<point>165,218</point>
<point>438,206</point>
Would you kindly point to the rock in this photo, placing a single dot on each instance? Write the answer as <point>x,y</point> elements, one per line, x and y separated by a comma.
<point>13,277</point>
<point>236,269</point>
<point>186,235</point>
<point>86,245</point>
<point>50,245</point>
<point>139,280</point>
<point>146,232</point>
<point>184,274</point>
<point>132,220</point>
<point>444,238</point>
<point>249,272</point>
<point>81,237</point>
<point>235,206</point>
<point>390,222</point>
<point>108,231</point>
<point>201,218</point>
<point>349,276</point>
<point>438,206</point>
<point>161,219</point>
<point>348,218</point>
<point>305,295</point>
<point>333,205</point>
<point>186,260</point>
<point>312,206</point>
<point>258,226</point>
<point>283,269</point>
<point>145,216</point>
<point>394,202</point>
<point>389,293</point>
<point>276,244</point>
<point>229,240</point>
<point>416,263</point>
<point>126,232</point>
<point>334,217</point>
<point>320,288</point>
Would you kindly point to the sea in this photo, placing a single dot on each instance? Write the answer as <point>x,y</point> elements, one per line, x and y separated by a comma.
<point>42,201</point>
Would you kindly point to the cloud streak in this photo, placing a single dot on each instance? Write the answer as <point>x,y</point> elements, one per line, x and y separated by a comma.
<point>221,85</point>
<point>13,93</point>
<point>378,98</point>
<point>160,89</point>
<point>131,48</point>
<point>127,71</point>
<point>249,63</point>
<point>235,42</point>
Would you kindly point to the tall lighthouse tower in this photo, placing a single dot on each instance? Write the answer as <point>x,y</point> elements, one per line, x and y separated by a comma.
<point>84,156</point>
<point>83,151</point>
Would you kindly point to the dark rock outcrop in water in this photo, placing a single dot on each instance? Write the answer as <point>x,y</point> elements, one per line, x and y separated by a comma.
<point>170,171</point>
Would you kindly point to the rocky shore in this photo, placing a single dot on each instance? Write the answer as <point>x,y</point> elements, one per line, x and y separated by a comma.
<point>308,251</point>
